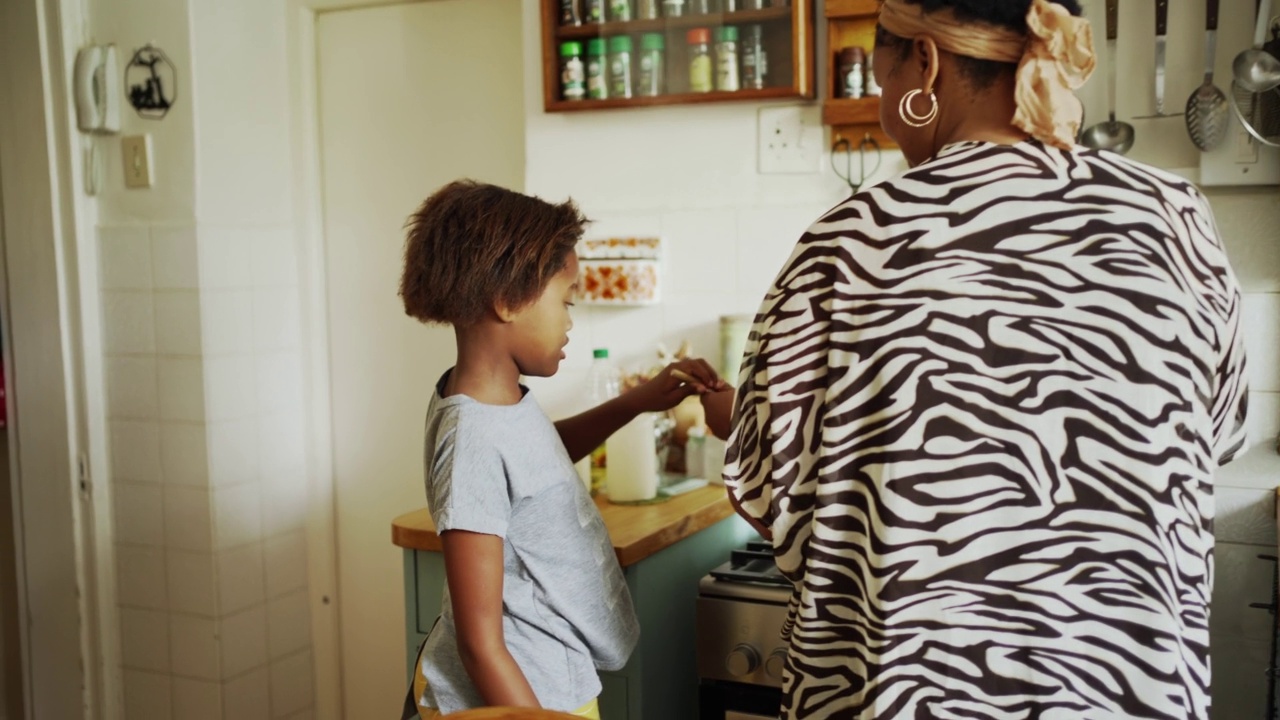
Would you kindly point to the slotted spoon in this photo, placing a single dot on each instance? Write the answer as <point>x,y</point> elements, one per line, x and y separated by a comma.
<point>1207,108</point>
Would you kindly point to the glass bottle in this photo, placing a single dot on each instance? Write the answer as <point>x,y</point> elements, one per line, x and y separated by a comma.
<point>620,67</point>
<point>597,83</point>
<point>572,85</point>
<point>699,40</point>
<point>755,64</point>
<point>605,382</point>
<point>652,64</point>
<point>727,59</point>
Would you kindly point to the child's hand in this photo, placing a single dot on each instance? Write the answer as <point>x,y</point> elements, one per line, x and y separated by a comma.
<point>676,382</point>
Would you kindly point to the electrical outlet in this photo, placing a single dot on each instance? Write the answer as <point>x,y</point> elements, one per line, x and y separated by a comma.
<point>135,150</point>
<point>789,140</point>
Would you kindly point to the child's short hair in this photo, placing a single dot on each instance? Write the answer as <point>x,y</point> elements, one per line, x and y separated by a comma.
<point>472,244</point>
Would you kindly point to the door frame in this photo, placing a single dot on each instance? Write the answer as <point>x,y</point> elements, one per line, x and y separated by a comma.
<point>64,560</point>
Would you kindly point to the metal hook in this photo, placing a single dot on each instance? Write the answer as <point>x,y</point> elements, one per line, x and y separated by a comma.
<point>866,142</point>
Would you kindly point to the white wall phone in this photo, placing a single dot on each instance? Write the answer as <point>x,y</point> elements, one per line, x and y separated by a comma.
<point>98,89</point>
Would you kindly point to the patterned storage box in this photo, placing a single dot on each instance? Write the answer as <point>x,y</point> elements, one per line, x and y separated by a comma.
<point>620,271</point>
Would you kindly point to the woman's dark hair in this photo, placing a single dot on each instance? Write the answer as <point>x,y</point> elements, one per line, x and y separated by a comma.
<point>1010,14</point>
<point>471,245</point>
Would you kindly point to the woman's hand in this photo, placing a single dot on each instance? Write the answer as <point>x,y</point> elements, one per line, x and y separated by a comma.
<point>674,383</point>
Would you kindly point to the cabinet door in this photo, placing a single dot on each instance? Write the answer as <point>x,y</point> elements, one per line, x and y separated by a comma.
<point>613,697</point>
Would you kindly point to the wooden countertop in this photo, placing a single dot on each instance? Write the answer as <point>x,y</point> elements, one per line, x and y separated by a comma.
<point>637,531</point>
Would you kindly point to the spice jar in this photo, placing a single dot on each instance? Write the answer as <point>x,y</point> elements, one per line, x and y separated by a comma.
<point>699,7</point>
<point>593,11</point>
<point>597,85</point>
<point>872,87</point>
<point>699,40</point>
<point>755,64</point>
<point>647,9</point>
<point>572,86</point>
<point>620,67</point>
<point>620,10</point>
<point>652,65</point>
<point>672,8</point>
<point>570,12</point>
<point>849,75</point>
<point>727,59</point>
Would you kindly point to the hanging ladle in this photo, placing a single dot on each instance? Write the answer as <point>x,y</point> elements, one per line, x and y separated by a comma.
<point>1110,134</point>
<point>1255,69</point>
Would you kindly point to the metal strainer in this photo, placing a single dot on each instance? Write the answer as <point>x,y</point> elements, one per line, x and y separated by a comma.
<point>1259,112</point>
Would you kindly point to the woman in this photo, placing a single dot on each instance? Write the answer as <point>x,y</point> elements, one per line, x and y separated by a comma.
<point>983,401</point>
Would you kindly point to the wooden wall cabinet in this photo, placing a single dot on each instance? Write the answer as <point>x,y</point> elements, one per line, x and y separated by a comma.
<point>787,30</point>
<point>851,23</point>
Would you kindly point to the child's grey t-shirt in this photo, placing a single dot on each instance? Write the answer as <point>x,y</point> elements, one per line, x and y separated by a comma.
<point>503,470</point>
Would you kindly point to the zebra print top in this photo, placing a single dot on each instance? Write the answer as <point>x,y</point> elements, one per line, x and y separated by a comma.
<point>980,410</point>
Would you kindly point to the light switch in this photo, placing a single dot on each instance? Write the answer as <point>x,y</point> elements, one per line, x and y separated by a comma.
<point>136,152</point>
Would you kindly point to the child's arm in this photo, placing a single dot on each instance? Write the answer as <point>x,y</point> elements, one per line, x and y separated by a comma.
<point>473,569</point>
<point>584,432</point>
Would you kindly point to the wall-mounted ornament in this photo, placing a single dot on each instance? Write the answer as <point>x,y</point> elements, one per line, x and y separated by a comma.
<point>620,271</point>
<point>152,81</point>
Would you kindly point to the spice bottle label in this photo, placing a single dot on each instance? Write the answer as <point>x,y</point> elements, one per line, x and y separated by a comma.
<point>726,67</point>
<point>700,74</point>
<point>597,89</point>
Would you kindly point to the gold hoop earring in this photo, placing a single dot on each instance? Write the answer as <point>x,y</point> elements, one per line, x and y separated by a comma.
<point>910,117</point>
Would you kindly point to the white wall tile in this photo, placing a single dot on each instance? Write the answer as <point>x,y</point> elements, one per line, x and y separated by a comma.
<point>1240,578</point>
<point>279,382</point>
<point>227,317</point>
<point>188,518</point>
<point>132,388</point>
<point>286,563</point>
<point>766,237</point>
<point>147,696</point>
<point>288,625</point>
<point>144,639</point>
<point>240,579</point>
<point>192,582</point>
<point>248,697</point>
<point>139,513</point>
<point>1245,516</point>
<point>1264,418</point>
<point>196,644</point>
<point>291,685</point>
<point>128,322</point>
<point>233,452</point>
<point>124,256</point>
<point>135,451</point>
<point>182,389</point>
<point>284,501</point>
<point>178,322</point>
<point>698,322</point>
<point>244,641</point>
<point>282,445</point>
<point>700,249</point>
<point>1262,340</point>
<point>277,319</point>
<point>173,251</point>
<point>275,258</point>
<point>238,515</point>
<point>630,334</point>
<point>225,258</point>
<point>184,453</point>
<point>1245,216</point>
<point>197,699</point>
<point>229,387</point>
<point>140,577</point>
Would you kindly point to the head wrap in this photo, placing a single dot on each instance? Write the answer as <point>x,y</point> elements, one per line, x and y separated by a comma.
<point>1054,58</point>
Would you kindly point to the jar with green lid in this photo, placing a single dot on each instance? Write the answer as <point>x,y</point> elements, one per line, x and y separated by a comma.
<point>727,59</point>
<point>620,67</point>
<point>597,84</point>
<point>652,64</point>
<point>572,74</point>
<point>620,10</point>
<point>699,40</point>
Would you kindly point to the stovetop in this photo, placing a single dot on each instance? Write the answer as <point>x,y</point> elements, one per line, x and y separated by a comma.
<point>752,564</point>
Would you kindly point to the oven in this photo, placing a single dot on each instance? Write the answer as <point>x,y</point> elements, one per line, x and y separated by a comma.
<point>742,606</point>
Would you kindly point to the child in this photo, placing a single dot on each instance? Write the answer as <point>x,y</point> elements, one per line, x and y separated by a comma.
<point>535,602</point>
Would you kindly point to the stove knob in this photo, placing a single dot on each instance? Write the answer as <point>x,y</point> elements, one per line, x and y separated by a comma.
<point>776,663</point>
<point>742,660</point>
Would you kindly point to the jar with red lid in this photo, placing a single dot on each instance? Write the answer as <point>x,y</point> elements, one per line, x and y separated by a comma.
<point>700,75</point>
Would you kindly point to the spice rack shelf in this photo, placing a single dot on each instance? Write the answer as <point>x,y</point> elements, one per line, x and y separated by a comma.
<point>684,22</point>
<point>786,36</point>
<point>851,23</point>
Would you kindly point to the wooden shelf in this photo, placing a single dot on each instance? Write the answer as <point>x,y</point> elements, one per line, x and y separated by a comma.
<point>851,8</point>
<point>672,99</point>
<point>851,23</point>
<point>634,27</point>
<point>848,111</point>
<point>787,39</point>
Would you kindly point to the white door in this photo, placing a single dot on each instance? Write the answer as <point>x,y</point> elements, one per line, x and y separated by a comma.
<point>411,97</point>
